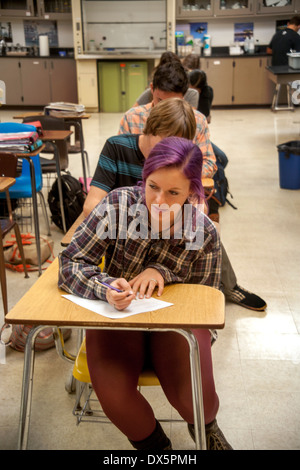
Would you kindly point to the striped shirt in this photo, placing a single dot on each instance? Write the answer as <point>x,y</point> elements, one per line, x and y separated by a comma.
<point>134,120</point>
<point>120,163</point>
<point>127,256</point>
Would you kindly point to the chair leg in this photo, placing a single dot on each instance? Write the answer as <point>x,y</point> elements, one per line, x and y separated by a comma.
<point>21,250</point>
<point>87,162</point>
<point>3,279</point>
<point>44,209</point>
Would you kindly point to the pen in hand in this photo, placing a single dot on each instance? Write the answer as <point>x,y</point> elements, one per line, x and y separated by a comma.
<point>105,284</point>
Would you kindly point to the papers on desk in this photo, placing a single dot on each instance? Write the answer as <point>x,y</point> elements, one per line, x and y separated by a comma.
<point>60,109</point>
<point>107,310</point>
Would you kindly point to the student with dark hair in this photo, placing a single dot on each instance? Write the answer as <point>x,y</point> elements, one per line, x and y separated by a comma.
<point>198,81</point>
<point>191,95</point>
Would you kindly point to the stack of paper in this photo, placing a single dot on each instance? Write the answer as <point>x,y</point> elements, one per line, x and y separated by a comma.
<point>60,109</point>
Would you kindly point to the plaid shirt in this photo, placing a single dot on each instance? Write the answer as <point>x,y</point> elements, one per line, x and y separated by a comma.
<point>127,256</point>
<point>134,120</point>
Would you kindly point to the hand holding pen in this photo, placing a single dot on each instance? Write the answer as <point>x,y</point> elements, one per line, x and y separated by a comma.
<point>118,293</point>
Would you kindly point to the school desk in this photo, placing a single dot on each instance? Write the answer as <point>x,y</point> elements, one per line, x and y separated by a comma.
<point>195,306</point>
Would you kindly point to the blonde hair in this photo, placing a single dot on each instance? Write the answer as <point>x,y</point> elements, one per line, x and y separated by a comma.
<point>171,117</point>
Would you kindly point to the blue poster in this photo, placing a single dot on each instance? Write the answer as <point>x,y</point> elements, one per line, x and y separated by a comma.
<point>197,30</point>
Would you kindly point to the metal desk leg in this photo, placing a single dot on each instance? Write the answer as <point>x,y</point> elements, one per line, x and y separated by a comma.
<point>60,193</point>
<point>35,213</point>
<point>27,385</point>
<point>78,125</point>
<point>82,153</point>
<point>199,424</point>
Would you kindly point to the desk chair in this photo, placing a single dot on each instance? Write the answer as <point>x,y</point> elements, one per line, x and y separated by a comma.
<point>50,123</point>
<point>8,165</point>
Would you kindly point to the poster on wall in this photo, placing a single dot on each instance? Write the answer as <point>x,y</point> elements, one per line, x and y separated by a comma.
<point>34,29</point>
<point>243,31</point>
<point>197,30</point>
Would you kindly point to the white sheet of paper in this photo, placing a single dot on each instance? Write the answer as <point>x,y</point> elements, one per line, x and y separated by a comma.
<point>107,310</point>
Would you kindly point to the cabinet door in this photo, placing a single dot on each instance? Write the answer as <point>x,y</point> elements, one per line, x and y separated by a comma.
<point>250,82</point>
<point>57,10</point>
<point>220,77</point>
<point>16,8</point>
<point>233,8</point>
<point>35,81</point>
<point>10,74</point>
<point>63,81</point>
<point>194,9</point>
<point>272,7</point>
<point>246,81</point>
<point>87,83</point>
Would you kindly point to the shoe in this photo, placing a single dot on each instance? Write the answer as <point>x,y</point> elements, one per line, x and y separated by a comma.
<point>246,299</point>
<point>215,439</point>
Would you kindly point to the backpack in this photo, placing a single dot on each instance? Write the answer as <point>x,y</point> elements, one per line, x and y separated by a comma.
<point>73,199</point>
<point>221,186</point>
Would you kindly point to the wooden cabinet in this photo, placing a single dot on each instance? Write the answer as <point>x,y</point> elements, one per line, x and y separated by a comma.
<point>239,81</point>
<point>87,83</point>
<point>38,81</point>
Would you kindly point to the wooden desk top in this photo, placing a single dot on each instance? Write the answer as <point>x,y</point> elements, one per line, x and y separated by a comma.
<point>41,113</point>
<point>55,135</point>
<point>31,154</point>
<point>195,306</point>
<point>6,182</point>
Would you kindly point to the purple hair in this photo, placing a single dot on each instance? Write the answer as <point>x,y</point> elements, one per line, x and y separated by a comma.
<point>177,152</point>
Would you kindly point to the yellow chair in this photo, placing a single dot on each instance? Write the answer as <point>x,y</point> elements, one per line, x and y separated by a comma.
<point>84,390</point>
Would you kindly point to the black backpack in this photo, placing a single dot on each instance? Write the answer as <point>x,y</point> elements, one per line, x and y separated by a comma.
<point>73,197</point>
<point>221,186</point>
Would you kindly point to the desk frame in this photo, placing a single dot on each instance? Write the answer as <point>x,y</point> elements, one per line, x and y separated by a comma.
<point>28,373</point>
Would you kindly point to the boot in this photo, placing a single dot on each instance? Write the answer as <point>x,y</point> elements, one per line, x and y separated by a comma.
<point>215,439</point>
<point>156,441</point>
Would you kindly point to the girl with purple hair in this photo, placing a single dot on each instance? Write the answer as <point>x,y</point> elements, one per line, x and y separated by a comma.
<point>171,183</point>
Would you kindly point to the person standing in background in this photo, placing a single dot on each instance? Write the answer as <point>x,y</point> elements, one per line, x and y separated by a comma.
<point>284,41</point>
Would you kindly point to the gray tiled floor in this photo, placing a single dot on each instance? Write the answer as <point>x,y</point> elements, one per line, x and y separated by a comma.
<point>257,355</point>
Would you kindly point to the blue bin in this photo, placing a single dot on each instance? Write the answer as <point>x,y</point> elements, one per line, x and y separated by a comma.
<point>289,165</point>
